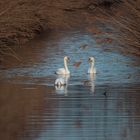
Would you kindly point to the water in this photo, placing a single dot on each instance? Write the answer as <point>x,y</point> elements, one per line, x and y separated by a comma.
<point>108,109</point>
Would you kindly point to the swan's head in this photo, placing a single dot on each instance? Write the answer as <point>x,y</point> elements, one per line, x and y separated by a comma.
<point>91,59</point>
<point>66,58</point>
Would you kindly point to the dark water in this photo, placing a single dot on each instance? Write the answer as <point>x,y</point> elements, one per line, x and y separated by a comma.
<point>107,109</point>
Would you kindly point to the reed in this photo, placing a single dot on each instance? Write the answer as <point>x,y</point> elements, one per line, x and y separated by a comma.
<point>125,18</point>
<point>21,20</point>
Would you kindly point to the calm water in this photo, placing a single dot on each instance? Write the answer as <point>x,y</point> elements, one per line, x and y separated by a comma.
<point>33,108</point>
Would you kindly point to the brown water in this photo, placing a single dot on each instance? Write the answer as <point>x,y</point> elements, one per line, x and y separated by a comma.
<point>32,108</point>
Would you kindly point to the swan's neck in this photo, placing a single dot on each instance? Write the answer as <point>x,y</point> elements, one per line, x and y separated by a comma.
<point>91,66</point>
<point>91,77</point>
<point>65,66</point>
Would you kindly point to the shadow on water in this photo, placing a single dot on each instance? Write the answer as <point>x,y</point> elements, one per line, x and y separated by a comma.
<point>104,106</point>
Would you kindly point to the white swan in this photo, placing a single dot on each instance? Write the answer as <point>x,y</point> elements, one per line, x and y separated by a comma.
<point>91,69</point>
<point>65,70</point>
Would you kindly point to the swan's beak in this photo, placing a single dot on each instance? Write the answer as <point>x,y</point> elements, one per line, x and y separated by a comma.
<point>68,59</point>
<point>89,60</point>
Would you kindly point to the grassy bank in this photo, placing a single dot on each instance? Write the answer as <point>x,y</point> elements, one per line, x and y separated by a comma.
<point>22,20</point>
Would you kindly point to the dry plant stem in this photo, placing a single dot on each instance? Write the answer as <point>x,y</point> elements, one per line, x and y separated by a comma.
<point>121,24</point>
<point>9,52</point>
<point>134,9</point>
<point>3,12</point>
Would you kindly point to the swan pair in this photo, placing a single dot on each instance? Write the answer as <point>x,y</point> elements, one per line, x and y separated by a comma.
<point>65,70</point>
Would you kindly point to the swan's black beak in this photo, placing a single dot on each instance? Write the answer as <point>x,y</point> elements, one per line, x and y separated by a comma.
<point>68,59</point>
<point>89,60</point>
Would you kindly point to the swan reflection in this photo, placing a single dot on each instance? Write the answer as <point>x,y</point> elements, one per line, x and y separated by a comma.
<point>61,84</point>
<point>90,82</point>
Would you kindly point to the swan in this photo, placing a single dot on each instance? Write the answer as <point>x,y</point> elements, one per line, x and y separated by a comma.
<point>65,70</point>
<point>91,69</point>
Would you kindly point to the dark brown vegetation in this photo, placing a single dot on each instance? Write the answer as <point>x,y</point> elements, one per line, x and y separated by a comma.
<point>21,20</point>
<point>125,18</point>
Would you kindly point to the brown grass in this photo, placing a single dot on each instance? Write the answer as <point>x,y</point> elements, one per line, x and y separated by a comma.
<point>120,20</point>
<point>126,21</point>
<point>19,22</point>
<point>22,20</point>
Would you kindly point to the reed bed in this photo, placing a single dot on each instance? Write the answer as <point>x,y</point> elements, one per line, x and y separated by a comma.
<point>125,18</point>
<point>22,20</point>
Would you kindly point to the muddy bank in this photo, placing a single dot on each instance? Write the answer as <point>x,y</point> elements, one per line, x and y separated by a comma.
<point>22,20</point>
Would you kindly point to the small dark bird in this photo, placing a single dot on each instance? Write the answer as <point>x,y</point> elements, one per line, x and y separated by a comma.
<point>77,64</point>
<point>129,76</point>
<point>105,93</point>
<point>84,46</point>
